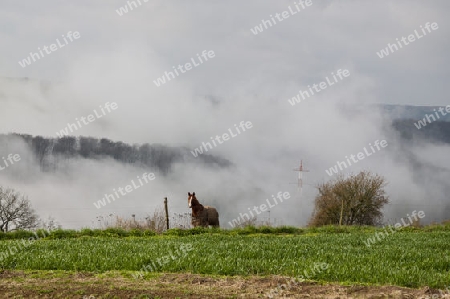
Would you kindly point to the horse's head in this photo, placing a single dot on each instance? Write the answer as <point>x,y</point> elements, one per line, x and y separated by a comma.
<point>192,200</point>
<point>194,204</point>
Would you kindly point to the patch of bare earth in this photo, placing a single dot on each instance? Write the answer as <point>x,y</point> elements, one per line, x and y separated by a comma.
<point>45,284</point>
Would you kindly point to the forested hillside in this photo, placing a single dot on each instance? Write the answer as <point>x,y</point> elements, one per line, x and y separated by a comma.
<point>437,132</point>
<point>48,151</point>
<point>412,112</point>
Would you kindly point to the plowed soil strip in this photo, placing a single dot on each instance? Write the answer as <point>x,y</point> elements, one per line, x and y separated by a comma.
<point>60,284</point>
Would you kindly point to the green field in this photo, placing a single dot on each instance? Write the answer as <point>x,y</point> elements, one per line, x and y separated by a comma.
<point>410,258</point>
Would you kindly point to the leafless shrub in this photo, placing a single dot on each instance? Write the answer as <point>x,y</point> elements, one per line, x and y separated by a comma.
<point>248,222</point>
<point>356,200</point>
<point>182,221</point>
<point>155,222</point>
<point>49,224</point>
<point>416,223</point>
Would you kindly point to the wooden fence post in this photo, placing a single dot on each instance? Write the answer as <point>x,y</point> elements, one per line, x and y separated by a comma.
<point>167,212</point>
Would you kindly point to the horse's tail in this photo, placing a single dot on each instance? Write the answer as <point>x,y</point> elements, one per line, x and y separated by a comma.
<point>217,217</point>
<point>213,216</point>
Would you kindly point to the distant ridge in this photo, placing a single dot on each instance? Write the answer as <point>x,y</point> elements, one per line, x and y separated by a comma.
<point>396,112</point>
<point>49,151</point>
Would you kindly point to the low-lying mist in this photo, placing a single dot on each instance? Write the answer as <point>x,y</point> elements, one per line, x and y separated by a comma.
<point>320,131</point>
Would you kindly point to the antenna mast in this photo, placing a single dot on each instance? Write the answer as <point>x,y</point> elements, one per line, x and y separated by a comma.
<point>300,177</point>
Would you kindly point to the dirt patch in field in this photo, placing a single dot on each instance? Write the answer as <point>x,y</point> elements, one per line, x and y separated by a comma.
<point>59,284</point>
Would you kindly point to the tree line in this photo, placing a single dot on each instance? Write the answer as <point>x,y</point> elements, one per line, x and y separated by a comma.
<point>156,156</point>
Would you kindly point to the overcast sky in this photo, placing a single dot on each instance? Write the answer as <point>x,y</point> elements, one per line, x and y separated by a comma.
<point>140,45</point>
<point>251,77</point>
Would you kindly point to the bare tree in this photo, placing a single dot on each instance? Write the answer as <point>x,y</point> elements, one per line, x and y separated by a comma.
<point>356,200</point>
<point>15,211</point>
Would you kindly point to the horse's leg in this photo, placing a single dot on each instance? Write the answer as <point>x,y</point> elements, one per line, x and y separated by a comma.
<point>196,222</point>
<point>205,218</point>
<point>216,218</point>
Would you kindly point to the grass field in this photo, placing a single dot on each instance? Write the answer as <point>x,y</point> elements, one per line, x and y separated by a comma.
<point>410,258</point>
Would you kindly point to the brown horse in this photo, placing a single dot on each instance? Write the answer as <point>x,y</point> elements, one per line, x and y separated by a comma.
<point>202,215</point>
